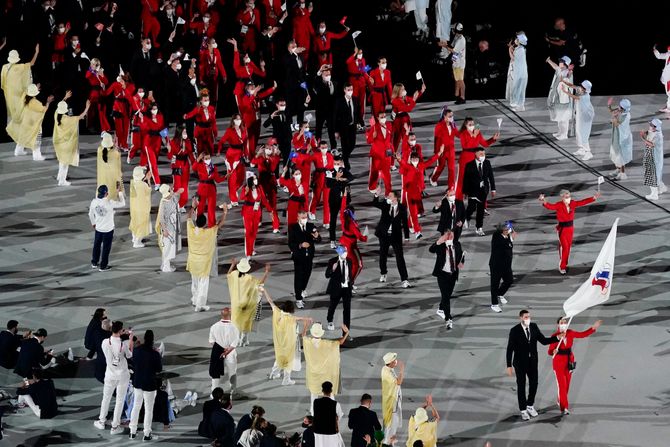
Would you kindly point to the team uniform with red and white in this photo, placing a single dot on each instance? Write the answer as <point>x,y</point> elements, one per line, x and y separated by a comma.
<point>296,199</point>
<point>381,88</point>
<point>181,158</point>
<point>322,162</point>
<point>401,107</point>
<point>351,234</point>
<point>560,363</point>
<point>236,140</point>
<point>379,136</point>
<point>445,134</point>
<point>121,110</point>
<point>322,46</point>
<point>152,127</point>
<point>208,177</point>
<point>250,111</point>
<point>469,145</point>
<point>358,78</point>
<point>253,199</point>
<point>267,166</point>
<point>97,82</point>
<point>412,181</point>
<point>205,131</point>
<point>211,70</point>
<point>565,214</point>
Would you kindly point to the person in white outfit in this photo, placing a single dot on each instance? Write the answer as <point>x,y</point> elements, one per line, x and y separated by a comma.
<point>117,376</point>
<point>101,214</point>
<point>559,101</point>
<point>443,25</point>
<point>421,17</point>
<point>652,138</point>
<point>517,75</point>
<point>224,337</point>
<point>665,75</point>
<point>584,117</point>
<point>168,226</point>
<point>621,147</point>
<point>457,50</point>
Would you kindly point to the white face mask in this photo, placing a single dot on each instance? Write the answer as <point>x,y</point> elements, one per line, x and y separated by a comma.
<point>268,151</point>
<point>140,94</point>
<point>247,60</point>
<point>326,78</point>
<point>481,159</point>
<point>322,29</point>
<point>303,221</point>
<point>302,6</point>
<point>206,20</point>
<point>147,47</point>
<point>343,256</point>
<point>184,135</point>
<point>451,199</point>
<point>324,150</point>
<point>526,322</point>
<point>567,200</point>
<point>205,103</point>
<point>154,112</point>
<point>470,127</point>
<point>118,79</point>
<point>255,182</point>
<point>61,30</point>
<point>75,43</point>
<point>411,142</point>
<point>215,46</point>
<point>389,201</point>
<point>562,327</point>
<point>451,119</point>
<point>382,66</point>
<point>192,81</point>
<point>237,123</point>
<point>383,121</point>
<point>281,108</point>
<point>208,161</point>
<point>178,67</point>
<point>415,163</point>
<point>449,242</point>
<point>348,94</point>
<point>359,56</point>
<point>297,178</point>
<point>169,12</point>
<point>306,129</point>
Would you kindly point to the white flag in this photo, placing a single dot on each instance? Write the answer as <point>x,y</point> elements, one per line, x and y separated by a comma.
<point>355,34</point>
<point>419,76</point>
<point>181,21</point>
<point>596,290</point>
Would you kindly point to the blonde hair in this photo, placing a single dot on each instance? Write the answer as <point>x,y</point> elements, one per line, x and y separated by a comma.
<point>397,88</point>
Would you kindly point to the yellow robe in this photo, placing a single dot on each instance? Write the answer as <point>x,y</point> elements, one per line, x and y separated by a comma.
<point>24,132</point>
<point>109,173</point>
<point>201,249</point>
<point>284,337</point>
<point>322,362</point>
<point>14,80</point>
<point>426,432</point>
<point>140,209</point>
<point>244,298</point>
<point>66,139</point>
<point>389,394</point>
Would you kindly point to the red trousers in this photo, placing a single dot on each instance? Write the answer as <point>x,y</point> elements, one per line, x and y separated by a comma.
<point>136,139</point>
<point>354,254</point>
<point>236,179</point>
<point>207,199</point>
<point>121,127</point>
<point>251,219</point>
<point>101,109</point>
<point>447,159</point>
<point>292,210</point>
<point>320,196</point>
<point>380,168</point>
<point>204,140</point>
<point>181,181</point>
<point>270,190</point>
<point>149,155</point>
<point>414,206</point>
<point>398,130</point>
<point>378,102</point>
<point>563,377</point>
<point>151,27</point>
<point>564,244</point>
<point>212,84</point>
<point>254,133</point>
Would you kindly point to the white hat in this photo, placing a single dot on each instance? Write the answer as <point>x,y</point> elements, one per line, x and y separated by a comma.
<point>138,173</point>
<point>523,39</point>
<point>164,190</point>
<point>390,357</point>
<point>317,330</point>
<point>625,104</point>
<point>243,266</point>
<point>107,140</point>
<point>587,86</point>
<point>420,416</point>
<point>656,123</point>
<point>566,60</point>
<point>13,57</point>
<point>458,27</point>
<point>62,108</point>
<point>32,90</point>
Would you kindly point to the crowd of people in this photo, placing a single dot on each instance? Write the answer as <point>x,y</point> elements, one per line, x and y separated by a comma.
<point>165,98</point>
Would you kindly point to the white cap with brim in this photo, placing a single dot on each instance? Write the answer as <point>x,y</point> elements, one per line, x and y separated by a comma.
<point>566,60</point>
<point>13,57</point>
<point>656,123</point>
<point>390,357</point>
<point>107,140</point>
<point>625,104</point>
<point>458,27</point>
<point>420,416</point>
<point>316,330</point>
<point>32,90</point>
<point>243,266</point>
<point>138,173</point>
<point>523,39</point>
<point>587,86</point>
<point>164,190</point>
<point>62,108</point>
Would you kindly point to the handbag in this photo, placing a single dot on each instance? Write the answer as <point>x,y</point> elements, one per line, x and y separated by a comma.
<point>572,365</point>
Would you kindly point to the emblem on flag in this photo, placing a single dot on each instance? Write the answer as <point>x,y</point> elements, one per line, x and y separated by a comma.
<point>602,279</point>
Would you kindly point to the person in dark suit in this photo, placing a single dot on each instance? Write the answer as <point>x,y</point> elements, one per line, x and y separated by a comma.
<point>477,182</point>
<point>294,76</point>
<point>340,285</point>
<point>337,181</point>
<point>32,354</point>
<point>324,91</point>
<point>522,360</point>
<point>170,99</point>
<point>247,419</point>
<point>500,264</point>
<point>345,120</point>
<point>92,339</point>
<point>447,265</point>
<point>452,214</point>
<point>301,239</point>
<point>10,340</point>
<point>281,128</point>
<point>391,230</point>
<point>39,394</point>
<point>144,67</point>
<point>147,364</point>
<point>217,423</point>
<point>190,96</point>
<point>307,438</point>
<point>363,421</point>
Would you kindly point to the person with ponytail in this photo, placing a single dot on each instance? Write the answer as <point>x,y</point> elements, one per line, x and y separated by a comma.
<point>351,234</point>
<point>109,165</point>
<point>66,138</point>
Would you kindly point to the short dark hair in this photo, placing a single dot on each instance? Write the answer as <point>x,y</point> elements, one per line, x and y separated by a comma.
<point>201,221</point>
<point>327,387</point>
<point>310,418</point>
<point>418,443</point>
<point>288,306</point>
<point>117,326</point>
<point>41,332</point>
<point>347,85</point>
<point>365,397</point>
<point>149,338</point>
<point>523,312</point>
<point>11,324</point>
<point>226,401</point>
<point>217,393</point>
<point>257,410</point>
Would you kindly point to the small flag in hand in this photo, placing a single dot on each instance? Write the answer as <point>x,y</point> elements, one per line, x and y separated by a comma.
<point>181,21</point>
<point>355,34</point>
<point>419,76</point>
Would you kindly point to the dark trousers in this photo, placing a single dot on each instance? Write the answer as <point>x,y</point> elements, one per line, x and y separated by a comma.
<point>335,203</point>
<point>325,116</point>
<point>348,141</point>
<point>384,244</point>
<point>498,289</point>
<point>446,282</point>
<point>476,205</point>
<point>103,240</point>
<point>302,267</point>
<point>522,370</point>
<point>344,295</point>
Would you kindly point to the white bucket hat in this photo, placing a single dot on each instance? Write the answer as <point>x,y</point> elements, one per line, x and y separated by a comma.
<point>13,57</point>
<point>164,190</point>
<point>317,330</point>
<point>420,416</point>
<point>107,140</point>
<point>138,173</point>
<point>32,90</point>
<point>390,357</point>
<point>243,266</point>
<point>62,108</point>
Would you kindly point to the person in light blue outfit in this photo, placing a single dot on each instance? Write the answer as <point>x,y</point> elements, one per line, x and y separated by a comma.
<point>621,147</point>
<point>559,101</point>
<point>584,118</point>
<point>517,75</point>
<point>443,24</point>
<point>652,159</point>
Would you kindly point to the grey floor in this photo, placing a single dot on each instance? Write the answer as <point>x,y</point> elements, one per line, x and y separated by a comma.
<point>620,394</point>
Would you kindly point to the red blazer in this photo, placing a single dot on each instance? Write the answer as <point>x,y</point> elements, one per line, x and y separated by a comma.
<point>151,138</point>
<point>565,213</point>
<point>198,113</point>
<point>202,30</point>
<point>244,73</point>
<point>96,83</point>
<point>320,167</point>
<point>412,177</point>
<point>273,11</point>
<point>251,19</point>
<point>249,107</point>
<point>203,174</point>
<point>380,143</point>
<point>293,189</point>
<point>230,138</point>
<point>248,200</point>
<point>300,142</point>
<point>570,336</point>
<point>471,142</point>
<point>149,8</point>
<point>211,66</point>
<point>445,133</point>
<point>351,229</point>
<point>322,44</point>
<point>266,165</point>
<point>183,155</point>
<point>122,96</point>
<point>403,105</point>
<point>383,87</point>
<point>302,27</point>
<point>356,68</point>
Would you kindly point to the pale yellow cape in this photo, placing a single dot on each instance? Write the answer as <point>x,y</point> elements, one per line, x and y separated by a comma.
<point>109,173</point>
<point>140,209</point>
<point>14,80</point>
<point>24,132</point>
<point>284,336</point>
<point>244,298</point>
<point>322,362</point>
<point>201,249</point>
<point>426,432</point>
<point>389,394</point>
<point>66,139</point>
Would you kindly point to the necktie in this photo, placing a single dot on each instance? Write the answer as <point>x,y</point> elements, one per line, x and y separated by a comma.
<point>351,109</point>
<point>479,167</point>
<point>394,211</point>
<point>330,87</point>
<point>146,56</point>
<point>451,259</point>
<point>528,334</point>
<point>343,267</point>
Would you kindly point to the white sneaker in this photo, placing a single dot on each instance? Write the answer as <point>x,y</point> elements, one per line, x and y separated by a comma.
<point>311,216</point>
<point>466,224</point>
<point>562,271</point>
<point>64,183</point>
<point>138,244</point>
<point>622,176</point>
<point>561,137</point>
<point>382,278</point>
<point>587,156</point>
<point>99,425</point>
<point>496,308</point>
<point>405,284</point>
<point>274,375</point>
<point>304,294</point>
<point>440,313</point>
<point>411,230</point>
<point>188,395</point>
<point>566,411</point>
<point>525,416</point>
<point>194,398</point>
<point>480,232</point>
<point>662,188</point>
<point>332,244</point>
<point>394,168</point>
<point>326,226</point>
<point>652,196</point>
<point>205,308</point>
<point>418,236</point>
<point>502,299</point>
<point>197,309</point>
<point>39,157</point>
<point>288,382</point>
<point>432,183</point>
<point>579,151</point>
<point>331,326</point>
<point>531,411</point>
<point>450,325</point>
<point>182,210</point>
<point>169,269</point>
<point>19,151</point>
<point>300,304</point>
<point>275,231</point>
<point>116,430</point>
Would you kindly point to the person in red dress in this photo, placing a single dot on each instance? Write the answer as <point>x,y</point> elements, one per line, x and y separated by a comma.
<point>205,131</point>
<point>358,78</point>
<point>323,162</point>
<point>303,31</point>
<point>122,90</point>
<point>245,70</point>
<point>250,110</point>
<point>471,138</point>
<point>351,235</point>
<point>138,106</point>
<point>402,105</point>
<point>565,214</point>
<point>253,199</point>
<point>236,139</point>
<point>151,27</point>
<point>381,87</point>
<point>267,160</point>
<point>181,158</point>
<point>59,44</point>
<point>204,24</point>
<point>563,358</point>
<point>208,177</point>
<point>297,194</point>
<point>211,70</point>
<point>97,81</point>
<point>249,20</point>
<point>323,42</point>
<point>381,154</point>
<point>445,134</point>
<point>153,125</point>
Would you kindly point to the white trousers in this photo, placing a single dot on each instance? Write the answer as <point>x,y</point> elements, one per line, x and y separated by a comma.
<point>563,127</point>
<point>230,368</point>
<point>62,173</point>
<point>421,17</point>
<point>199,291</point>
<point>168,254</point>
<point>667,92</point>
<point>148,397</point>
<point>28,400</point>
<point>393,427</point>
<point>121,387</point>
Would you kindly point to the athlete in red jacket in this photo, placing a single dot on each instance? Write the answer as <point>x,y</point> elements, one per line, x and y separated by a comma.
<point>211,70</point>
<point>381,154</point>
<point>303,31</point>
<point>323,41</point>
<point>445,133</point>
<point>250,110</point>
<point>236,139</point>
<point>402,106</point>
<point>97,82</point>
<point>181,158</point>
<point>245,70</point>
<point>205,131</point>
<point>151,27</point>
<point>139,106</point>
<point>249,20</point>
<point>253,199</point>
<point>323,162</point>
<point>122,90</point>
<point>471,138</point>
<point>153,125</point>
<point>412,178</point>
<point>208,177</point>
<point>381,87</point>
<point>267,160</point>
<point>358,78</point>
